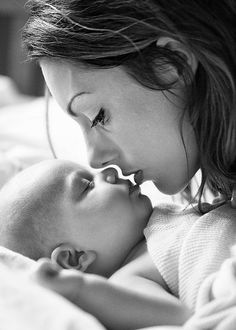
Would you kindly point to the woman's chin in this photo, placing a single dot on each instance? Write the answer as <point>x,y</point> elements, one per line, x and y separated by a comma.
<point>169,189</point>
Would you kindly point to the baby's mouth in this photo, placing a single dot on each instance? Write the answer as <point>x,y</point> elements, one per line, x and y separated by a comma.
<point>134,188</point>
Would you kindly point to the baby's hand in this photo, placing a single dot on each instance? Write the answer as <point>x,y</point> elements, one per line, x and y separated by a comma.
<point>65,282</point>
<point>224,284</point>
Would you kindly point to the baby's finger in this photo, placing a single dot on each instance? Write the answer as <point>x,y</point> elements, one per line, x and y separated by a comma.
<point>44,269</point>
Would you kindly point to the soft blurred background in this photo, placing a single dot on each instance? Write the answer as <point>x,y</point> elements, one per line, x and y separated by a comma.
<point>26,76</point>
<point>23,118</point>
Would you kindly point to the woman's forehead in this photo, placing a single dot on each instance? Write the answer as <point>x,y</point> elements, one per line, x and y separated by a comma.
<point>65,80</point>
<point>67,75</point>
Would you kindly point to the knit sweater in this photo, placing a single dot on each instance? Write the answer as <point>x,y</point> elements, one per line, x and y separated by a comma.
<point>186,246</point>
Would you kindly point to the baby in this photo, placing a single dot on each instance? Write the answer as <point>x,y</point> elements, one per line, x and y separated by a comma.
<point>59,202</point>
<point>92,222</point>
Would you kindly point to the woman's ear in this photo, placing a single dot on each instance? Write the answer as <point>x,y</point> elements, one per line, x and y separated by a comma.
<point>68,257</point>
<point>177,46</point>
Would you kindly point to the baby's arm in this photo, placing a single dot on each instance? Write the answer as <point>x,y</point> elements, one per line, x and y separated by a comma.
<point>131,299</point>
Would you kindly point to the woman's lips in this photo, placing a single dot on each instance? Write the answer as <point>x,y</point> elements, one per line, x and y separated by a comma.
<point>138,177</point>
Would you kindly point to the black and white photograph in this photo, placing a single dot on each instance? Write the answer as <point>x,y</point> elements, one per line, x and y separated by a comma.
<point>117,165</point>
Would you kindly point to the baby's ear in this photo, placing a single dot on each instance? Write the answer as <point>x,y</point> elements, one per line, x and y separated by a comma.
<point>68,257</point>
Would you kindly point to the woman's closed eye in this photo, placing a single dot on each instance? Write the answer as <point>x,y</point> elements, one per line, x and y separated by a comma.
<point>100,118</point>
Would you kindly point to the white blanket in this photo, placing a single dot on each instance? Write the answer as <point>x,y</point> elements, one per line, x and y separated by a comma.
<point>25,305</point>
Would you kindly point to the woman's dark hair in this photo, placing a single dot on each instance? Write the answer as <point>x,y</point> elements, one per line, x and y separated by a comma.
<point>108,33</point>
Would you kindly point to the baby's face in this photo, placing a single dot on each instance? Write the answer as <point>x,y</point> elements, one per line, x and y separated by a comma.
<point>97,211</point>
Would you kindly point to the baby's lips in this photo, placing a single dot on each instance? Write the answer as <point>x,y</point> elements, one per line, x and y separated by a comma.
<point>134,188</point>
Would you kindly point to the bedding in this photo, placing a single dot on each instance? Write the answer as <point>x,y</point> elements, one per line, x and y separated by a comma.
<point>219,314</point>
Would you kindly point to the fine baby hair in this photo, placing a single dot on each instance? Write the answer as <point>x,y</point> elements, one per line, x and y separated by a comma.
<point>28,216</point>
<point>112,33</point>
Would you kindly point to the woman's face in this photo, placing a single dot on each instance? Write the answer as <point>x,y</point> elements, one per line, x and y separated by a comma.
<point>126,124</point>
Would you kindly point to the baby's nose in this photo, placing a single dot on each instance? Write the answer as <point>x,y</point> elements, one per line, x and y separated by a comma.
<point>110,174</point>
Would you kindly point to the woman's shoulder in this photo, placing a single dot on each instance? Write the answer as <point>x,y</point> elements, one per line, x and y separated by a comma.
<point>167,217</point>
<point>225,211</point>
<point>220,219</point>
<point>173,210</point>
<point>172,215</point>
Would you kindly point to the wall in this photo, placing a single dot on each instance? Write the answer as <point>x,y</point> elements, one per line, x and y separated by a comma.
<point>27,76</point>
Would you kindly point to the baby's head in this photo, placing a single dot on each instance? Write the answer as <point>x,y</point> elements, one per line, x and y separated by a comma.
<point>84,220</point>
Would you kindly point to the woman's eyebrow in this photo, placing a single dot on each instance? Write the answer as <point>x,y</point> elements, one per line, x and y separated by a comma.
<point>68,108</point>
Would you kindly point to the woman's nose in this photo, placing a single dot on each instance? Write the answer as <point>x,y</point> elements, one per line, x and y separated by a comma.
<point>99,157</point>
